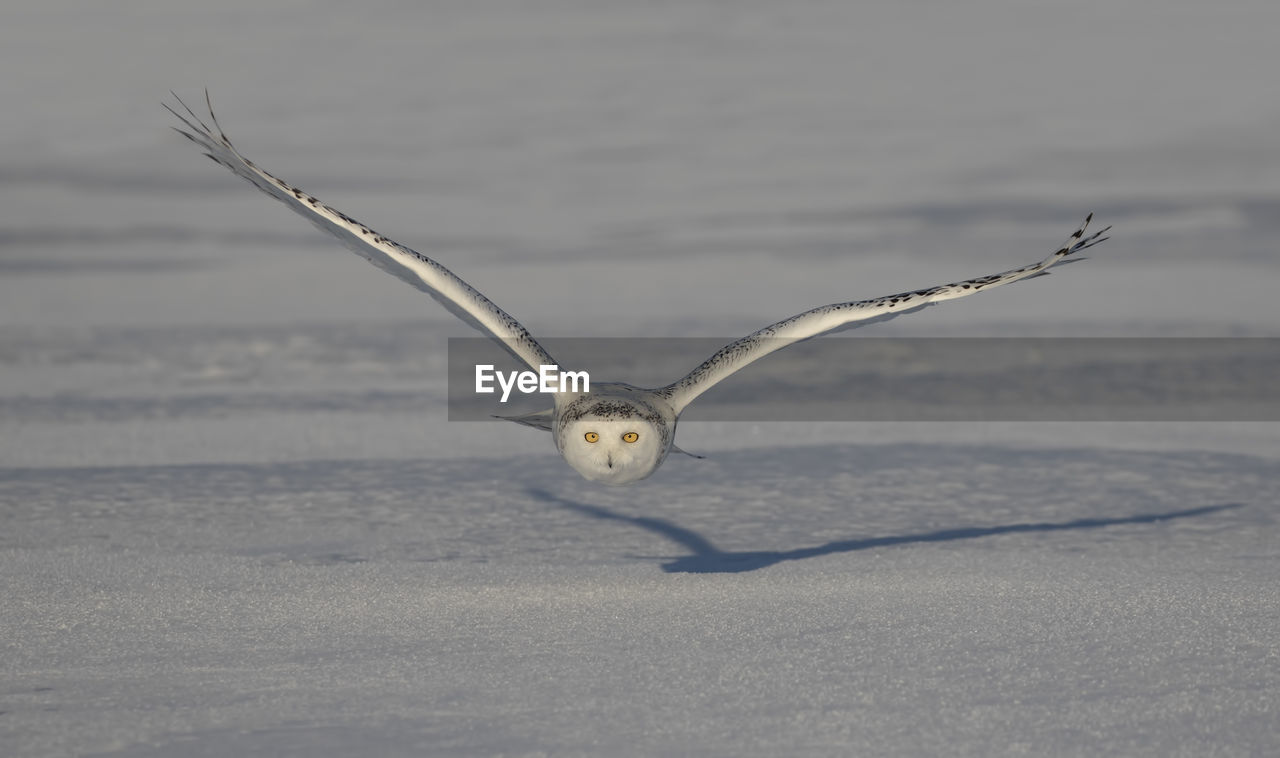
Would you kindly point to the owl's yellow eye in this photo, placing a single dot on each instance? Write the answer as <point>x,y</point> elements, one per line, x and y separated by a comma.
<point>591,437</point>
<point>630,437</point>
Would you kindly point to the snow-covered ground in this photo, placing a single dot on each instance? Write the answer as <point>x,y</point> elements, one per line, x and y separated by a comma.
<point>233,517</point>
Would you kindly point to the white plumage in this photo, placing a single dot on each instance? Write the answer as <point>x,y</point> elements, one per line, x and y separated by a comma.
<point>615,433</point>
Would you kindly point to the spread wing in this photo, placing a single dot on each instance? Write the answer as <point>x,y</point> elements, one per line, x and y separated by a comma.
<point>463,300</point>
<point>840,316</point>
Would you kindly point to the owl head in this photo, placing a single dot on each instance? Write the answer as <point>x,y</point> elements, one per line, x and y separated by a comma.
<point>614,439</point>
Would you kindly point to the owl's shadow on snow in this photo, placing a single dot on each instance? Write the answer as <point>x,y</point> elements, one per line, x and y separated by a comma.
<point>706,558</point>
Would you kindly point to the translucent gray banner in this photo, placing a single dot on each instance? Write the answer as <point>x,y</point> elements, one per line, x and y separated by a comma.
<point>903,379</point>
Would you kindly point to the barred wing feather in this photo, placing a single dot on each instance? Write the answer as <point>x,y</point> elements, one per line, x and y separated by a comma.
<point>840,316</point>
<point>460,298</point>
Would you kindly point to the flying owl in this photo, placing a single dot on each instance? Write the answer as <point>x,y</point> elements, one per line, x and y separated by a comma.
<point>614,433</point>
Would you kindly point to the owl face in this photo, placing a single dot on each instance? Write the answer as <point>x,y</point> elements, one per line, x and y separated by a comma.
<point>613,440</point>
<point>612,451</point>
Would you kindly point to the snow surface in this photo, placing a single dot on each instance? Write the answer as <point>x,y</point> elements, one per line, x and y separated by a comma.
<point>233,520</point>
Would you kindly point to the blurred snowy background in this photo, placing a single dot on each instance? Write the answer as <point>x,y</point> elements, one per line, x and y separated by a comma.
<point>233,518</point>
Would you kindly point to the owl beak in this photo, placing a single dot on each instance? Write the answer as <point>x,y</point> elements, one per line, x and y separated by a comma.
<point>609,461</point>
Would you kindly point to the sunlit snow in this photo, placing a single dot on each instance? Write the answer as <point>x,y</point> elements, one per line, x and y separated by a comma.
<point>234,519</point>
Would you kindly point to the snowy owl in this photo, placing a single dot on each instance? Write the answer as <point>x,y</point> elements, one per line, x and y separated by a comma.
<point>614,433</point>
